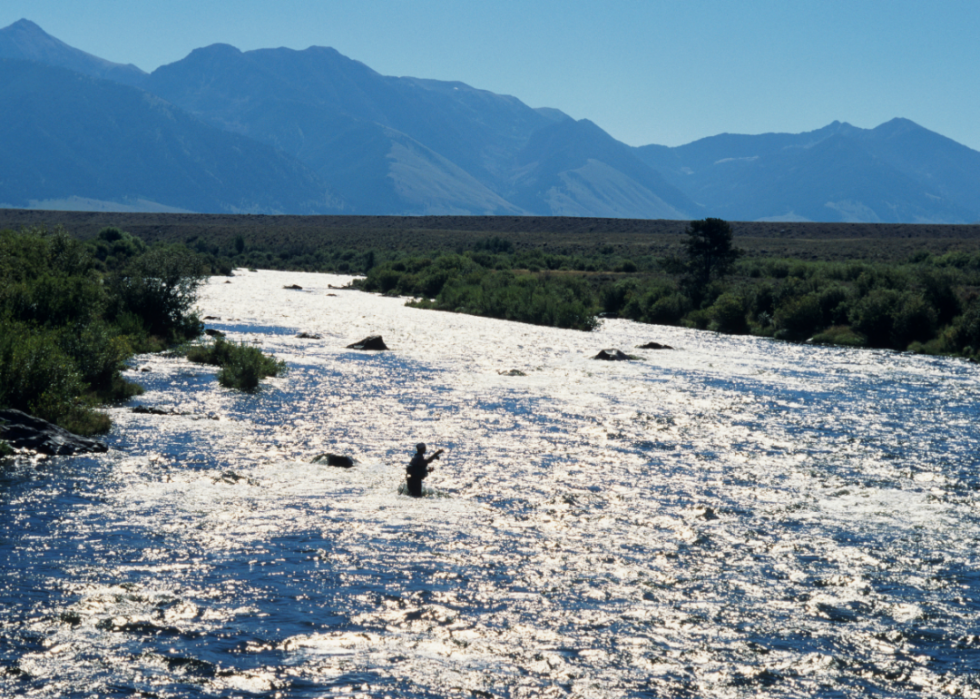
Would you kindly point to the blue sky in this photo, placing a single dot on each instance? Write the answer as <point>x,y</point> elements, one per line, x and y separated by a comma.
<point>646,71</point>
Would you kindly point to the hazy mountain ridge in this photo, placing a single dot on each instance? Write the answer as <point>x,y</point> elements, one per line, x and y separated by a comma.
<point>897,171</point>
<point>312,131</point>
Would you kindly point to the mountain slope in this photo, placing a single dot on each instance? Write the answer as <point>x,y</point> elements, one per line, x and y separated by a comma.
<point>574,168</point>
<point>301,101</point>
<point>67,135</point>
<point>406,145</point>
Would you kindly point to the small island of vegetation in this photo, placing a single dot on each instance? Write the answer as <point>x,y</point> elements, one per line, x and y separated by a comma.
<point>242,365</point>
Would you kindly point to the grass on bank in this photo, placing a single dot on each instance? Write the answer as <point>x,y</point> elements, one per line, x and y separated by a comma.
<point>242,366</point>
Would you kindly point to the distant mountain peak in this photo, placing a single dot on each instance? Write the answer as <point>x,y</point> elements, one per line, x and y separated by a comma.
<point>218,49</point>
<point>26,41</point>
<point>26,25</point>
<point>897,126</point>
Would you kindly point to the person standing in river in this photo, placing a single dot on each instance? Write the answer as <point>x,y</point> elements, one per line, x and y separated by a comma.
<point>418,468</point>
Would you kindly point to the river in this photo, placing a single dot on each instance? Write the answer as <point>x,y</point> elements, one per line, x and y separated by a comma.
<point>733,517</point>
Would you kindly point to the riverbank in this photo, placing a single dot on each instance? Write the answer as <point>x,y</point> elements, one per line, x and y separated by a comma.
<point>72,312</point>
<point>897,286</point>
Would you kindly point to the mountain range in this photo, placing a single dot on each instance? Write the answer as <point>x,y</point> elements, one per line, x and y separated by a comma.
<point>315,132</point>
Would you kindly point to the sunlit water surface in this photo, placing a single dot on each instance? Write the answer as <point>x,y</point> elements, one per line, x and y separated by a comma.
<point>737,517</point>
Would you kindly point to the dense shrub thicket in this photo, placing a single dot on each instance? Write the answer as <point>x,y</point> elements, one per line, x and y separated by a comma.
<point>71,313</point>
<point>927,304</point>
<point>242,366</point>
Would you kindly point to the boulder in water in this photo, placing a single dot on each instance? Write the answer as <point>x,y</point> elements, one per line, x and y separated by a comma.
<point>654,345</point>
<point>308,336</point>
<point>334,460</point>
<point>295,287</point>
<point>211,332</point>
<point>24,431</point>
<point>371,342</point>
<point>613,355</point>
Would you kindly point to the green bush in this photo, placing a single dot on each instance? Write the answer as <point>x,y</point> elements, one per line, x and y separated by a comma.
<point>797,318</point>
<point>616,296</point>
<point>668,310</point>
<point>556,301</point>
<point>763,300</point>
<point>728,315</point>
<point>963,335</point>
<point>161,287</point>
<point>874,316</point>
<point>242,366</point>
<point>833,305</point>
<point>699,319</point>
<point>36,376</point>
<point>915,321</point>
<point>115,247</point>
<point>97,351</point>
<point>938,290</point>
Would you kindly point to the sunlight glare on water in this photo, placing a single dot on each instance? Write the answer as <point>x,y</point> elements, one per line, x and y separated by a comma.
<point>734,517</point>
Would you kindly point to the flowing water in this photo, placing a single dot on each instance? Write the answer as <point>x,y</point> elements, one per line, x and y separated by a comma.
<point>736,517</point>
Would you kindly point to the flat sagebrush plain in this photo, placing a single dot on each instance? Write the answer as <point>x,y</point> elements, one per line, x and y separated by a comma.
<point>305,235</point>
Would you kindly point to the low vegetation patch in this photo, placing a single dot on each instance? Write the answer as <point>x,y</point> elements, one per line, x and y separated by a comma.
<point>242,366</point>
<point>841,335</point>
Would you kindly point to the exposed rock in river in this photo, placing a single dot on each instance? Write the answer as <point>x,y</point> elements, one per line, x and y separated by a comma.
<point>24,431</point>
<point>613,355</point>
<point>334,460</point>
<point>294,286</point>
<point>308,336</point>
<point>371,342</point>
<point>654,346</point>
<point>150,410</point>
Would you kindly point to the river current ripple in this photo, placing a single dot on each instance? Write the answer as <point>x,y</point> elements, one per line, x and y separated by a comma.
<point>736,517</point>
